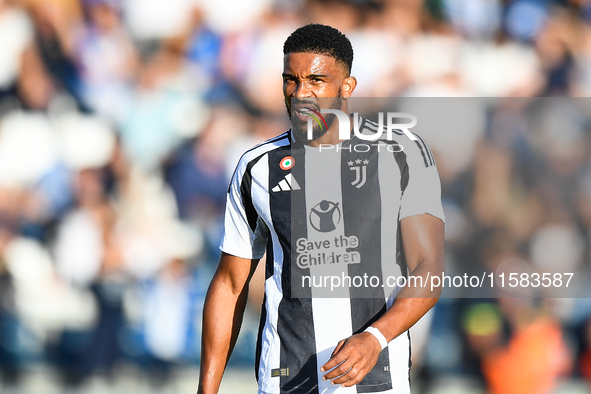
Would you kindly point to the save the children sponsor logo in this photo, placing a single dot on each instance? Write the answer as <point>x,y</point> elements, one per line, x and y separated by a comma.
<point>333,250</point>
<point>325,216</point>
<point>324,248</point>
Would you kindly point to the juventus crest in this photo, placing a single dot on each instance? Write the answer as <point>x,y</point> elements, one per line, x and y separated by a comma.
<point>360,168</point>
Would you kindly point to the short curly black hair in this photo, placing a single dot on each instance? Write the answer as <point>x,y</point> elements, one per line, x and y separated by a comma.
<point>322,40</point>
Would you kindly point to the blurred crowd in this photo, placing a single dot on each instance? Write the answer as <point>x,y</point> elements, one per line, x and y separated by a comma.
<point>121,122</point>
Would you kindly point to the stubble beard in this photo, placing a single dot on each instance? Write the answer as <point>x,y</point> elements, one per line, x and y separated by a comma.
<point>300,128</point>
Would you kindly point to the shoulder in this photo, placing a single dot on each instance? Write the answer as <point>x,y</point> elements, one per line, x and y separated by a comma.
<point>413,145</point>
<point>253,155</point>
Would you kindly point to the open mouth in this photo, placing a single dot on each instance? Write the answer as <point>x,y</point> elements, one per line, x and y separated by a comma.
<point>305,113</point>
<point>310,113</point>
<point>306,110</point>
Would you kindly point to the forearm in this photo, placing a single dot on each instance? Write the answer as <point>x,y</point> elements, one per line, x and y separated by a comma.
<point>422,240</point>
<point>222,317</point>
<point>355,356</point>
<point>411,303</point>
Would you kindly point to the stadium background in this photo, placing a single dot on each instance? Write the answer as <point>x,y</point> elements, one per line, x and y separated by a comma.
<point>121,122</point>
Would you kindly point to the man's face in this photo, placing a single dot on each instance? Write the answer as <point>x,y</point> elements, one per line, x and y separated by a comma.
<point>317,82</point>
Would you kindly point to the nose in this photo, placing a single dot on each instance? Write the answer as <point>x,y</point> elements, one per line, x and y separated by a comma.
<point>301,90</point>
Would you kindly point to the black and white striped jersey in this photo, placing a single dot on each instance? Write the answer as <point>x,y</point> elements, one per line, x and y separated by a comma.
<point>336,212</point>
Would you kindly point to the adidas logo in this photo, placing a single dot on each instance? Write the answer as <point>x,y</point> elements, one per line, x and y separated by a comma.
<point>286,184</point>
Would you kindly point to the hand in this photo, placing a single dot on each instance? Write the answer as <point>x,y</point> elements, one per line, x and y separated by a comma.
<point>353,358</point>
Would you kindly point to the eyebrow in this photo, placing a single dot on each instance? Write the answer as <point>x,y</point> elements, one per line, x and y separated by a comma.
<point>307,76</point>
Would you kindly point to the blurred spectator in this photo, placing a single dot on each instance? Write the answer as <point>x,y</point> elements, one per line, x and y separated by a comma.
<point>107,59</point>
<point>535,356</point>
<point>198,174</point>
<point>9,365</point>
<point>166,108</point>
<point>17,30</point>
<point>168,318</point>
<point>55,21</point>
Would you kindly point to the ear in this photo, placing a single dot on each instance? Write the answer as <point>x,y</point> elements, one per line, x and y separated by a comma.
<point>348,86</point>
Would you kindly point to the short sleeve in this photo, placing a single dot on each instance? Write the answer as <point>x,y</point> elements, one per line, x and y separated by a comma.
<point>423,191</point>
<point>245,233</point>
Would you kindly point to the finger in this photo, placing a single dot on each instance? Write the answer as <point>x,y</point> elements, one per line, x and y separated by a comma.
<point>338,347</point>
<point>337,357</point>
<point>339,370</point>
<point>351,374</point>
<point>358,378</point>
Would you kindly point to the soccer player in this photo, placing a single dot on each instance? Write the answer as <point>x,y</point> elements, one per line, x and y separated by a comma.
<point>314,214</point>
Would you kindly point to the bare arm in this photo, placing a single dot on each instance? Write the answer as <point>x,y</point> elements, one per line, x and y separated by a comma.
<point>422,239</point>
<point>222,318</point>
